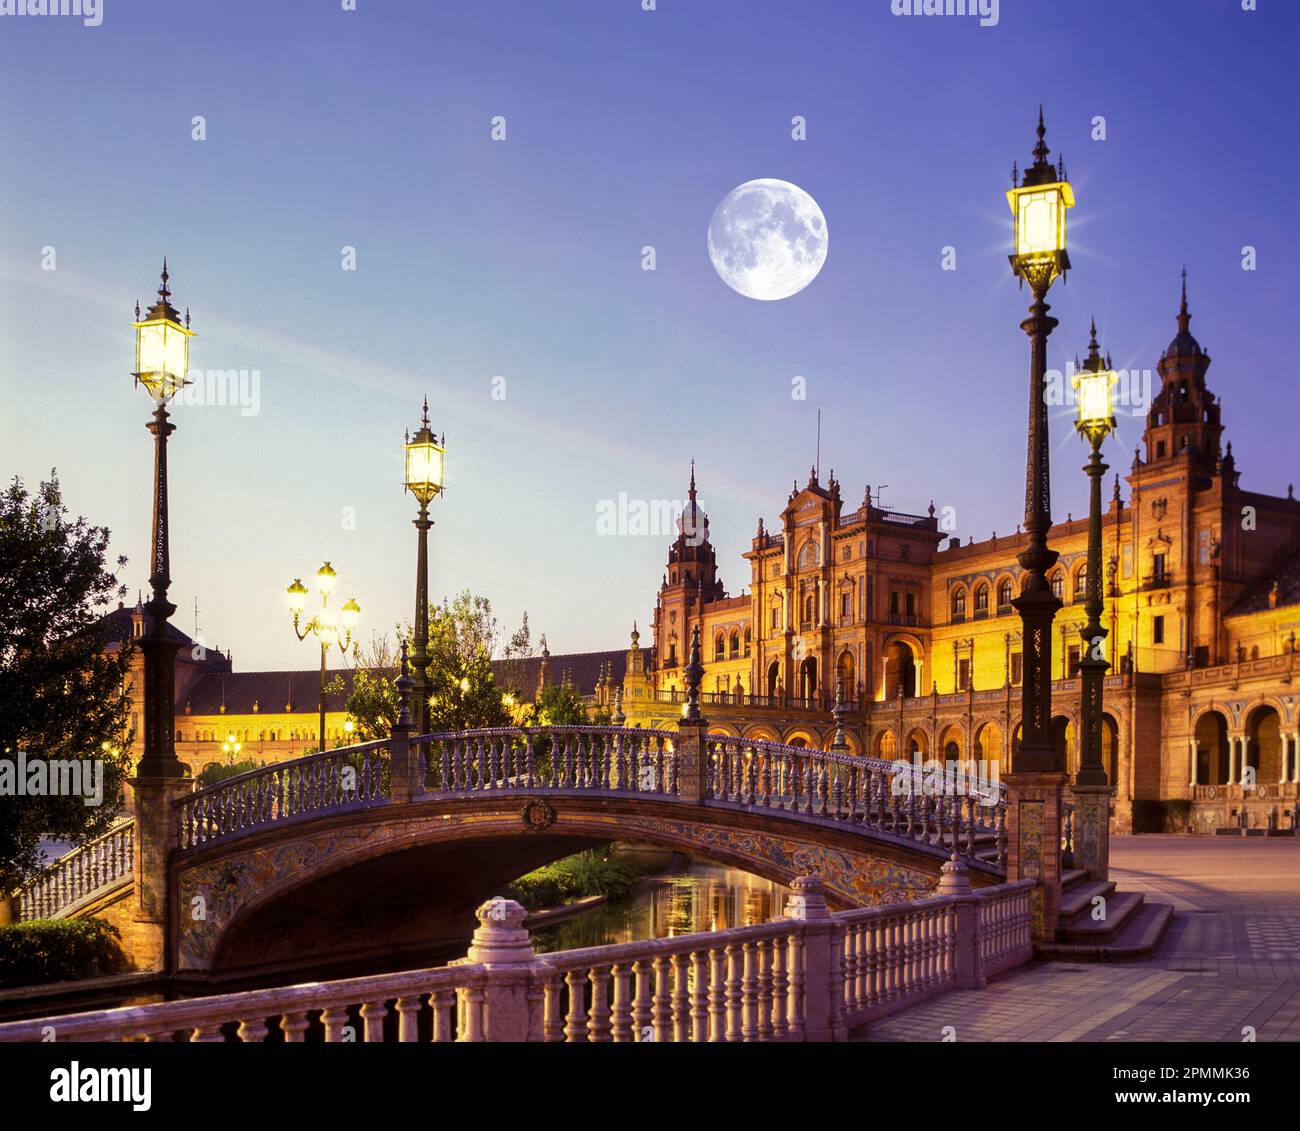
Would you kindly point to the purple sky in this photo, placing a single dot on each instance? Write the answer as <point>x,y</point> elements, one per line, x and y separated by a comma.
<point>522,259</point>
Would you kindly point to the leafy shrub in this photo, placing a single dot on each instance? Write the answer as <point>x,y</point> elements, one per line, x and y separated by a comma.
<point>56,950</point>
<point>214,774</point>
<point>594,872</point>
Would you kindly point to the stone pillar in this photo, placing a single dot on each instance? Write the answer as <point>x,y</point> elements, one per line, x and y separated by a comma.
<point>691,751</point>
<point>1034,843</point>
<point>501,944</point>
<point>823,1003</point>
<point>155,837</point>
<point>954,880</point>
<point>1092,829</point>
<point>1191,746</point>
<point>403,758</point>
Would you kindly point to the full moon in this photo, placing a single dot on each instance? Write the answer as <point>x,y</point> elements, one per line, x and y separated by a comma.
<point>767,239</point>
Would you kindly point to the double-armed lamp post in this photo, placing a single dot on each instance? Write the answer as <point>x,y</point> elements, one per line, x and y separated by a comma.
<point>162,351</point>
<point>424,479</point>
<point>330,626</point>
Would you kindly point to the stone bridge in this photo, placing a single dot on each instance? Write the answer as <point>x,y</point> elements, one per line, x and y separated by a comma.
<point>385,848</point>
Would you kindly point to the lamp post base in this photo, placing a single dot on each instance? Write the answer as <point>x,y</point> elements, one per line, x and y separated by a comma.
<point>1034,843</point>
<point>1092,829</point>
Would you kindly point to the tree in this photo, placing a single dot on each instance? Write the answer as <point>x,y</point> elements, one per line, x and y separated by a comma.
<point>372,702</point>
<point>62,695</point>
<point>464,693</point>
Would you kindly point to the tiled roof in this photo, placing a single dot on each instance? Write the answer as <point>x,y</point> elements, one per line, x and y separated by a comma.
<point>1255,598</point>
<point>273,690</point>
<point>582,667</point>
<point>118,627</point>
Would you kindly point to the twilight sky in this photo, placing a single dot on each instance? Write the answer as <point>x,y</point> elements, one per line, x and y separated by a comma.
<point>522,259</point>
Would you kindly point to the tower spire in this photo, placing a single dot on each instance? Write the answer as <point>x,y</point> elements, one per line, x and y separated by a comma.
<point>691,492</point>
<point>1183,317</point>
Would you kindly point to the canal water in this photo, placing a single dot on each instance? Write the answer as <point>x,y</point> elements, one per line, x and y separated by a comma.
<point>694,896</point>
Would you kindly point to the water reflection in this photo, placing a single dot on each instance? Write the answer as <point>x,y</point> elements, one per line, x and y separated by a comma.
<point>699,897</point>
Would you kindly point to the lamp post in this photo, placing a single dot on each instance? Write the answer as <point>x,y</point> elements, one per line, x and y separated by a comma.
<point>161,362</point>
<point>1038,204</point>
<point>231,748</point>
<point>424,479</point>
<point>330,626</point>
<point>1034,787</point>
<point>1096,419</point>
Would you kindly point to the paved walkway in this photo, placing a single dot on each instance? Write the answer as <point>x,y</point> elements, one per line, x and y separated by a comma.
<point>1230,959</point>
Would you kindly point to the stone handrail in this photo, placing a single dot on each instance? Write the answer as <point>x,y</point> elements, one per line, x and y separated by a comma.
<point>898,798</point>
<point>351,777</point>
<point>809,975</point>
<point>98,866</point>
<point>893,801</point>
<point>606,758</point>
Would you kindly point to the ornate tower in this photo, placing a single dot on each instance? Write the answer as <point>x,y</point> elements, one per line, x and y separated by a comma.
<point>1184,414</point>
<point>690,582</point>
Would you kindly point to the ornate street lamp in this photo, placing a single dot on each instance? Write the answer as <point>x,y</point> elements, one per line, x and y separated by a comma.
<point>1038,203</point>
<point>424,479</point>
<point>230,748</point>
<point>330,626</point>
<point>161,363</point>
<point>1093,383</point>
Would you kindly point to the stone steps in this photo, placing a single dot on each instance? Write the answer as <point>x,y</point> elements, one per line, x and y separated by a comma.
<point>1139,936</point>
<point>1078,897</point>
<point>1082,927</point>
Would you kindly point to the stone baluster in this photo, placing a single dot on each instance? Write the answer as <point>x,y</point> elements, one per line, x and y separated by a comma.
<point>661,1003</point>
<point>408,1019</point>
<point>621,1015</point>
<point>699,1000</point>
<point>681,1005</point>
<point>641,1005</point>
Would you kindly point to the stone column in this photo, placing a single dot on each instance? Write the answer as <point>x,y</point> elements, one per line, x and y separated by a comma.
<point>403,759</point>
<point>503,946</point>
<point>1295,769</point>
<point>1191,746</point>
<point>1034,815</point>
<point>1232,760</point>
<point>954,880</point>
<point>155,837</point>
<point>1092,830</point>
<point>823,1001</point>
<point>691,747</point>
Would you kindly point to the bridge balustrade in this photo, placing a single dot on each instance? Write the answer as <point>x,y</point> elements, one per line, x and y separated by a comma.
<point>98,866</point>
<point>808,975</point>
<point>330,781</point>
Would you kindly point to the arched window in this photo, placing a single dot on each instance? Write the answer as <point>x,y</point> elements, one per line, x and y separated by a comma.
<point>809,603</point>
<point>1004,593</point>
<point>735,644</point>
<point>1081,584</point>
<point>748,640</point>
<point>959,603</point>
<point>1058,584</point>
<point>982,599</point>
<point>719,647</point>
